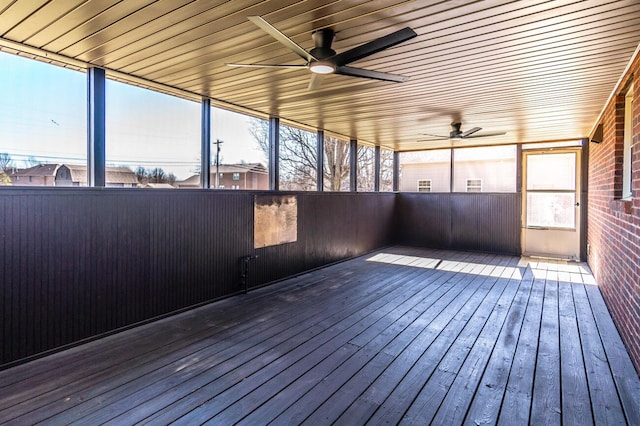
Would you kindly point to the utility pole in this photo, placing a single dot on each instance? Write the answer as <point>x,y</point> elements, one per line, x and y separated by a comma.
<point>217,143</point>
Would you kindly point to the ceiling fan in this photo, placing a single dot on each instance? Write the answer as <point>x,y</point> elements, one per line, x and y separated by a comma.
<point>456,134</point>
<point>322,60</point>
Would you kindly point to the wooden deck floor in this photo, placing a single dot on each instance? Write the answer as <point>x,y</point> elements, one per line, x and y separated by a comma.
<point>403,335</point>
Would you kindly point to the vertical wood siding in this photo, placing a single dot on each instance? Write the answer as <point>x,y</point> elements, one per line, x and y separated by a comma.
<point>479,222</point>
<point>79,263</point>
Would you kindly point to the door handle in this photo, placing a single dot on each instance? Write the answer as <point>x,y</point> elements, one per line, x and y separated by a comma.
<point>577,204</point>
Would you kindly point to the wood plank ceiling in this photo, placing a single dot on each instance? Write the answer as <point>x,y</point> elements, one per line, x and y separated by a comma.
<point>539,70</point>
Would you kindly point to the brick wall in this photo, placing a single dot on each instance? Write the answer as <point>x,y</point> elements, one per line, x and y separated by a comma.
<point>614,225</point>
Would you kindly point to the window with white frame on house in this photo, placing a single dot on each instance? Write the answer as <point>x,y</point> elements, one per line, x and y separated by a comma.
<point>627,154</point>
<point>474,185</point>
<point>424,185</point>
<point>236,176</point>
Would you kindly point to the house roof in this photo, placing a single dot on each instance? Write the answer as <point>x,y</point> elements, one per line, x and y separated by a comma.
<point>194,181</point>
<point>113,175</point>
<point>240,168</point>
<point>37,170</point>
<point>79,173</point>
<point>538,70</point>
<point>159,185</point>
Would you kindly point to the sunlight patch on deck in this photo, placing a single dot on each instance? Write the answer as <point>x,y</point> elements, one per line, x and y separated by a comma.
<point>559,270</point>
<point>474,268</point>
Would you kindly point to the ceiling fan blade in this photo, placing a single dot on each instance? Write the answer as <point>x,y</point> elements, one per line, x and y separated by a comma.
<point>434,136</point>
<point>470,132</point>
<point>444,138</point>
<point>375,75</point>
<point>267,65</point>
<point>373,46</point>
<point>273,32</point>
<point>484,135</point>
<point>316,81</point>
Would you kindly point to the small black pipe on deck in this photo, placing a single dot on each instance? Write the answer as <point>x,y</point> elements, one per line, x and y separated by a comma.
<point>244,271</point>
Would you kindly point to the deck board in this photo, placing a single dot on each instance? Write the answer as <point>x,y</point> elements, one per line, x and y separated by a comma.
<point>546,403</point>
<point>403,335</point>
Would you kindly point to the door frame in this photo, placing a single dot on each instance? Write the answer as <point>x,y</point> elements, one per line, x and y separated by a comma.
<point>581,167</point>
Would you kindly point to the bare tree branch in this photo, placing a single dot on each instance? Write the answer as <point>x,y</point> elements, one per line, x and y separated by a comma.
<point>298,160</point>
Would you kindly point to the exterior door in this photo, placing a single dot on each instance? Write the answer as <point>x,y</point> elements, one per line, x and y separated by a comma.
<point>551,204</point>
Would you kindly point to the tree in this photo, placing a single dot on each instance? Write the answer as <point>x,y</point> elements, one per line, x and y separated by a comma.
<point>141,175</point>
<point>5,180</point>
<point>156,175</point>
<point>298,159</point>
<point>5,164</point>
<point>5,161</point>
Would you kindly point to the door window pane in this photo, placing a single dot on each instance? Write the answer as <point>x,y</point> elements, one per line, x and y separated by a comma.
<point>551,209</point>
<point>551,171</point>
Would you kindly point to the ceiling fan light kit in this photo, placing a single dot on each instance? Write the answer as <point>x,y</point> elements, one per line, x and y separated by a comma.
<point>322,59</point>
<point>322,67</point>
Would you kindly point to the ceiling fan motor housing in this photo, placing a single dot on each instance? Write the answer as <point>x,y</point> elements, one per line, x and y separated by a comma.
<point>455,132</point>
<point>322,39</point>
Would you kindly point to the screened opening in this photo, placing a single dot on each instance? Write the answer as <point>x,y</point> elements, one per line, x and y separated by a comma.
<point>366,168</point>
<point>239,151</point>
<point>485,169</point>
<point>152,139</point>
<point>336,164</point>
<point>298,153</point>
<point>433,166</point>
<point>43,117</point>
<point>386,170</point>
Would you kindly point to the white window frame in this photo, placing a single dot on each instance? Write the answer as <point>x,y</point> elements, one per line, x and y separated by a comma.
<point>427,185</point>
<point>627,176</point>
<point>469,180</point>
<point>236,176</point>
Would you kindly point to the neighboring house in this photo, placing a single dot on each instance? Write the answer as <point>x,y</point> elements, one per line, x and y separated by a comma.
<point>40,175</point>
<point>233,176</point>
<point>70,175</point>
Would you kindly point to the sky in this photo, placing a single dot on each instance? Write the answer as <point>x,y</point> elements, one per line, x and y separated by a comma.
<point>43,116</point>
